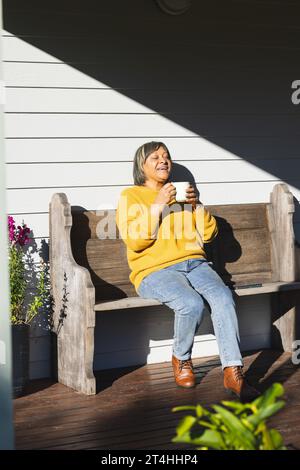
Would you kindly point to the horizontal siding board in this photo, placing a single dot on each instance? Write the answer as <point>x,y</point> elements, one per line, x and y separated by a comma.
<point>120,173</point>
<point>20,50</point>
<point>110,149</point>
<point>258,16</point>
<point>33,125</point>
<point>246,10</point>
<point>48,75</point>
<point>77,49</point>
<point>211,59</point>
<point>123,149</point>
<point>160,325</point>
<point>154,342</point>
<point>257,30</point>
<point>79,46</point>
<point>71,101</point>
<point>234,99</point>
<point>79,76</point>
<point>20,201</point>
<point>86,125</point>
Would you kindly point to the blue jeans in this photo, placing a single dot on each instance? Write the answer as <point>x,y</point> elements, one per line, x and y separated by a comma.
<point>183,287</point>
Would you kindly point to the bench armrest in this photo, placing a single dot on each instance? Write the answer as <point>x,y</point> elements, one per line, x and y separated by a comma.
<point>281,213</point>
<point>74,299</point>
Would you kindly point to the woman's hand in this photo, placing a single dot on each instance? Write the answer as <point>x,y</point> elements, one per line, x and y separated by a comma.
<point>166,194</point>
<point>191,196</point>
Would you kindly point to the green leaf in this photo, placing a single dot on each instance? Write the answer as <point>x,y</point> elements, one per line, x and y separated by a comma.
<point>185,425</point>
<point>239,407</point>
<point>182,439</point>
<point>238,430</point>
<point>199,411</point>
<point>265,413</point>
<point>207,425</point>
<point>247,424</point>
<point>209,438</point>
<point>268,398</point>
<point>266,440</point>
<point>276,439</point>
<point>183,408</point>
<point>215,419</point>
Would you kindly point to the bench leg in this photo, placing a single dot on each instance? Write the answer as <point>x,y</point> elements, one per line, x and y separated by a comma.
<point>285,312</point>
<point>75,364</point>
<point>75,324</point>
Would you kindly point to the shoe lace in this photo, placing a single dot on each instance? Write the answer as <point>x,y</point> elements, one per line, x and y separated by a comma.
<point>186,364</point>
<point>238,373</point>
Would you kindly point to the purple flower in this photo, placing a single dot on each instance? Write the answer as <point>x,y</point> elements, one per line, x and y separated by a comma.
<point>11,229</point>
<point>20,235</point>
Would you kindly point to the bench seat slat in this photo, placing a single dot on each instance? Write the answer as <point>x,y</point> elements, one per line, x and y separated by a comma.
<point>268,288</point>
<point>127,302</point>
<point>133,302</point>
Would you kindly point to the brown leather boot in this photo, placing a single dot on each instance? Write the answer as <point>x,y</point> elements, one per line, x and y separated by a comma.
<point>183,372</point>
<point>236,383</point>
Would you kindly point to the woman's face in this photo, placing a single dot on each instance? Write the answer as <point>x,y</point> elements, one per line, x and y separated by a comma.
<point>157,166</point>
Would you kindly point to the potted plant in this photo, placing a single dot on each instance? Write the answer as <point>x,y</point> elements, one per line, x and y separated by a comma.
<point>233,425</point>
<point>23,310</point>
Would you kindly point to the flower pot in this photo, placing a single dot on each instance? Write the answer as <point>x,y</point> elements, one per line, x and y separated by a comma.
<point>20,349</point>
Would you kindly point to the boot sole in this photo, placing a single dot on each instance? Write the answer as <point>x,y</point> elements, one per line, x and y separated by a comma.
<point>184,386</point>
<point>245,399</point>
<point>232,394</point>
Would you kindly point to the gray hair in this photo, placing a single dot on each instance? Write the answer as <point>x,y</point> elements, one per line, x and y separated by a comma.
<point>141,156</point>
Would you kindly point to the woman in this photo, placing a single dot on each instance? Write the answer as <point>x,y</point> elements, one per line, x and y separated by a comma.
<point>168,263</point>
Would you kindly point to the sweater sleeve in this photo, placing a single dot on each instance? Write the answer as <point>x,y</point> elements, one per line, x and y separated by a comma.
<point>206,224</point>
<point>136,222</point>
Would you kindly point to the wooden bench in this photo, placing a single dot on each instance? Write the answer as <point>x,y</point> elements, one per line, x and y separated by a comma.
<point>255,245</point>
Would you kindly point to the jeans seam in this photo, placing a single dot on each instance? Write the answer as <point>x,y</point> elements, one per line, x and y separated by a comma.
<point>176,327</point>
<point>222,337</point>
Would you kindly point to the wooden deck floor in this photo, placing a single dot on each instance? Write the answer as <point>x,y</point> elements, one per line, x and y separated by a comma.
<point>132,409</point>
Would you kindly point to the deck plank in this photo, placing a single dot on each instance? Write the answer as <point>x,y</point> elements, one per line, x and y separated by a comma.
<point>133,407</point>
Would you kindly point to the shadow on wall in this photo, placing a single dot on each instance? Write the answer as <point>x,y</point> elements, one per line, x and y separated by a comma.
<point>222,70</point>
<point>296,218</point>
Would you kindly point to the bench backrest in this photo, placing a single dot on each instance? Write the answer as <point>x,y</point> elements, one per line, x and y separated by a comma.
<point>243,252</point>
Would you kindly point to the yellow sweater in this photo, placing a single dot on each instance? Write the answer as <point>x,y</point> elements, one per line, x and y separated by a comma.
<point>156,242</point>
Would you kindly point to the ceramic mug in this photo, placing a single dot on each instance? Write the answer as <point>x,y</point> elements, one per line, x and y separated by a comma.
<point>181,187</point>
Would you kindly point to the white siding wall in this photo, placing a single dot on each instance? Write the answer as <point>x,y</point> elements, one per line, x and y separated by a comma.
<point>87,83</point>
